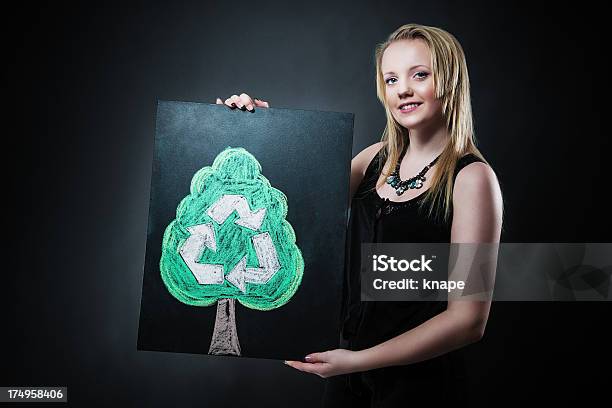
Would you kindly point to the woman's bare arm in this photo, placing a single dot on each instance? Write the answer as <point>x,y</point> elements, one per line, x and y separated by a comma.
<point>477,217</point>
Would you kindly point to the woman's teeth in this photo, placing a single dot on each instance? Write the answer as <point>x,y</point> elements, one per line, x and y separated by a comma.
<point>409,107</point>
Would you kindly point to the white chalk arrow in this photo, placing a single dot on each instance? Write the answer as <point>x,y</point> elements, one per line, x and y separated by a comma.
<point>236,276</point>
<point>202,236</point>
<point>226,205</point>
<point>268,264</point>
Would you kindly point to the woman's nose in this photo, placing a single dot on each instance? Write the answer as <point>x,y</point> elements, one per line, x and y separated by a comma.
<point>406,91</point>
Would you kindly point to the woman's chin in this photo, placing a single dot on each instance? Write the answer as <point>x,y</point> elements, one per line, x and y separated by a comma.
<point>410,124</point>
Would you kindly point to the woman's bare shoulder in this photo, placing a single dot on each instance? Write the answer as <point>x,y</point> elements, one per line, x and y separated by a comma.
<point>361,161</point>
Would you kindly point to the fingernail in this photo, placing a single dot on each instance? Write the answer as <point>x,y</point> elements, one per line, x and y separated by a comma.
<point>307,358</point>
<point>250,107</point>
<point>286,363</point>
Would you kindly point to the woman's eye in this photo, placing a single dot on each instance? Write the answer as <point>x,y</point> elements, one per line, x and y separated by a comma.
<point>418,75</point>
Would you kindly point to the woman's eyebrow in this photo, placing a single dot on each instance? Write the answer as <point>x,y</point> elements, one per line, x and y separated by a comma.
<point>411,68</point>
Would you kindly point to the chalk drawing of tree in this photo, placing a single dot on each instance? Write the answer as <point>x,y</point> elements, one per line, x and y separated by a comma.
<point>231,241</point>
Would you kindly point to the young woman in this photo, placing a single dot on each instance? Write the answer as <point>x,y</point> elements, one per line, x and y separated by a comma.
<point>402,353</point>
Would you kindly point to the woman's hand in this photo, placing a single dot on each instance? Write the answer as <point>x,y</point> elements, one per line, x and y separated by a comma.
<point>329,363</point>
<point>243,102</point>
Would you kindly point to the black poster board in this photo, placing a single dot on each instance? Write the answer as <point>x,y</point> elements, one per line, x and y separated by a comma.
<point>305,156</point>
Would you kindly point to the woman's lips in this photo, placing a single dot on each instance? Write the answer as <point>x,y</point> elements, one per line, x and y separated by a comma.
<point>412,109</point>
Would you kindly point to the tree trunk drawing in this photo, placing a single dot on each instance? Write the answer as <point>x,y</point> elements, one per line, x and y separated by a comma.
<point>225,337</point>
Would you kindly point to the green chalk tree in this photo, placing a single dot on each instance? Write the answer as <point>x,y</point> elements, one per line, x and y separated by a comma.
<point>231,241</point>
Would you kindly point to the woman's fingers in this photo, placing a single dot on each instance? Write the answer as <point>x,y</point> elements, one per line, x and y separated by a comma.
<point>261,104</point>
<point>231,101</point>
<point>240,101</point>
<point>246,102</point>
<point>243,102</point>
<point>236,101</point>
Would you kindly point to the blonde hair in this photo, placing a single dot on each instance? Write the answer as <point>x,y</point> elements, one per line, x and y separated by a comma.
<point>452,85</point>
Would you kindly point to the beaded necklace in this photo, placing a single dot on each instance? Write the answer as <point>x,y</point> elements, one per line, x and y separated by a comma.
<point>414,182</point>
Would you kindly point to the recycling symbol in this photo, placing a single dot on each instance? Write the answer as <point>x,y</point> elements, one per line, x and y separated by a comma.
<point>203,236</point>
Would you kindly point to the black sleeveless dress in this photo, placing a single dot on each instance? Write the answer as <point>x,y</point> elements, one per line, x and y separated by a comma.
<point>365,324</point>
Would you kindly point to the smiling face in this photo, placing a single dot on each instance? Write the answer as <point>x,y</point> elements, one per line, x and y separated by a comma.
<point>408,77</point>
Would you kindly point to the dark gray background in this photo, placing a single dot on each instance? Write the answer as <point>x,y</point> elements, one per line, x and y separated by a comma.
<point>77,150</point>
